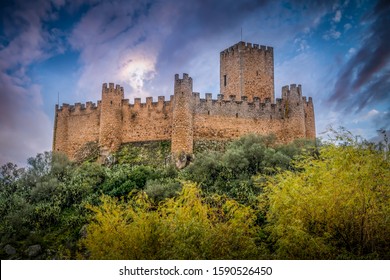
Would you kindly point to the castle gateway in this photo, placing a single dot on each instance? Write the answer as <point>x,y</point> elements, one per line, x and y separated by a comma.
<point>246,105</point>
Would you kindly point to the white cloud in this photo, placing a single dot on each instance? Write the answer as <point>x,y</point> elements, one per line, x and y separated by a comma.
<point>337,16</point>
<point>24,127</point>
<point>371,114</point>
<point>350,53</point>
<point>302,44</point>
<point>332,34</point>
<point>347,26</point>
<point>121,43</point>
<point>138,68</point>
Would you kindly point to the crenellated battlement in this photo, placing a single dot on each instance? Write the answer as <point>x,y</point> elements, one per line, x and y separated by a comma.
<point>185,79</point>
<point>292,92</point>
<point>111,88</point>
<point>246,47</point>
<point>77,107</point>
<point>288,93</point>
<point>256,108</point>
<point>149,102</point>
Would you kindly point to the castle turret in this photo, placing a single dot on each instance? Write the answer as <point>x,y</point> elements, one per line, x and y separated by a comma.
<point>294,113</point>
<point>110,136</point>
<point>310,119</point>
<point>182,123</point>
<point>60,135</point>
<point>247,70</point>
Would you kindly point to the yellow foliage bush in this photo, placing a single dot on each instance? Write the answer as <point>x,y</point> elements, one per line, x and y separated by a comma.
<point>185,227</point>
<point>337,207</point>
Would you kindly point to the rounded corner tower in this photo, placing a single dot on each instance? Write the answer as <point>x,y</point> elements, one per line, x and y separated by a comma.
<point>247,70</point>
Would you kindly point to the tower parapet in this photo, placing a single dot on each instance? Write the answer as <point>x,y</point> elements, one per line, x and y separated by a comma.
<point>248,47</point>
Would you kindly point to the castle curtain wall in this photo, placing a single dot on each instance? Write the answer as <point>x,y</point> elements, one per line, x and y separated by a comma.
<point>75,126</point>
<point>148,121</point>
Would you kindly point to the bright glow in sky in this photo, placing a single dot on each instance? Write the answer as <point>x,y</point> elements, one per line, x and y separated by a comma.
<point>338,51</point>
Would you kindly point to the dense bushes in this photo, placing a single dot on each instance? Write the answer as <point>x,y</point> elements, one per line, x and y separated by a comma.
<point>255,199</point>
<point>230,172</point>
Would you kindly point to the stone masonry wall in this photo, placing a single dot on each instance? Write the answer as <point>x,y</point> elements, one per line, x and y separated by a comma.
<point>148,121</point>
<point>76,125</point>
<point>247,70</point>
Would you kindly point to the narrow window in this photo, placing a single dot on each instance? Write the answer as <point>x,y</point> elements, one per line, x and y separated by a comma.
<point>257,73</point>
<point>111,102</point>
<point>224,80</point>
<point>208,112</point>
<point>236,115</point>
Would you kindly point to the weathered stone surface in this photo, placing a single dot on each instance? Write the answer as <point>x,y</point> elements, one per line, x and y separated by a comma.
<point>87,152</point>
<point>9,250</point>
<point>152,153</point>
<point>34,250</point>
<point>247,105</point>
<point>247,70</point>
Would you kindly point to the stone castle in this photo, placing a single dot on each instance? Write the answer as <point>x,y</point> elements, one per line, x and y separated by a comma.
<point>246,105</point>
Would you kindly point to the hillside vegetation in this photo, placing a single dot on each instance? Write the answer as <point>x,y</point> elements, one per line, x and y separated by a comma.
<point>254,200</point>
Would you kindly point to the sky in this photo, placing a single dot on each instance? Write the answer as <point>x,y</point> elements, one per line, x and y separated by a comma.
<point>63,50</point>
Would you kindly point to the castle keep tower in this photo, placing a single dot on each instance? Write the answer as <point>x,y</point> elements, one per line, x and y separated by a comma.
<point>247,70</point>
<point>110,136</point>
<point>182,122</point>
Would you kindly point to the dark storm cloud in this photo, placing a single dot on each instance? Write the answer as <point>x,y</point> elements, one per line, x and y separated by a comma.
<point>365,79</point>
<point>209,20</point>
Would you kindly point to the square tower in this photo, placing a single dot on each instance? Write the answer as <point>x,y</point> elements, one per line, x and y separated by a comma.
<point>247,70</point>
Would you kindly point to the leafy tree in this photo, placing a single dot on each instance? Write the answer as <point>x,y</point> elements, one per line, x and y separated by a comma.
<point>231,172</point>
<point>122,179</point>
<point>44,203</point>
<point>162,188</point>
<point>336,207</point>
